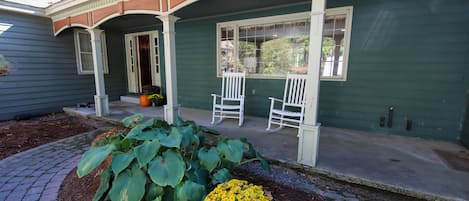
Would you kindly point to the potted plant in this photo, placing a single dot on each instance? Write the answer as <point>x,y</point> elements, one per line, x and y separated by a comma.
<point>4,66</point>
<point>156,99</point>
<point>148,90</point>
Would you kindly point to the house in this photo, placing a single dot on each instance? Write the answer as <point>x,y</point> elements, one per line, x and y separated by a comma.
<point>405,59</point>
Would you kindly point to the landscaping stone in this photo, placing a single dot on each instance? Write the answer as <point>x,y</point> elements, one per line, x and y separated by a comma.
<point>24,177</point>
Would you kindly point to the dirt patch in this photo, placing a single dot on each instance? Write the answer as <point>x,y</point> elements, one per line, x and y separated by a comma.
<point>83,189</point>
<point>18,136</point>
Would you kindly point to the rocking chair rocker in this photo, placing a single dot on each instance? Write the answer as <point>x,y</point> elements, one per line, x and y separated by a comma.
<point>291,113</point>
<point>231,104</point>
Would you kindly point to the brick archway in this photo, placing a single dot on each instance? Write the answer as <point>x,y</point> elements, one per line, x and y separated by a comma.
<point>92,14</point>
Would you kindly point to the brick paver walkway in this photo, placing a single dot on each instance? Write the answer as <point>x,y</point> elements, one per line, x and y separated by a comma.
<point>37,174</point>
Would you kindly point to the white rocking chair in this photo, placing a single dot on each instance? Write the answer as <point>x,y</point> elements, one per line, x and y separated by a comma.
<point>293,104</point>
<point>231,104</point>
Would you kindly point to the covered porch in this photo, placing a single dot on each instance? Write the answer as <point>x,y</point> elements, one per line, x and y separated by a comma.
<point>411,166</point>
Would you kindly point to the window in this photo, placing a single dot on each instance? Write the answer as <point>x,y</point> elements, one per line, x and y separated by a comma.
<point>84,52</point>
<point>270,47</point>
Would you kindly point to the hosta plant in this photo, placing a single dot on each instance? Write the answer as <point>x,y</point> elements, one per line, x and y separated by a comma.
<point>155,161</point>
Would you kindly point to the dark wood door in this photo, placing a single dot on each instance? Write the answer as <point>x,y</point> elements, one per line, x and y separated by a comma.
<point>144,58</point>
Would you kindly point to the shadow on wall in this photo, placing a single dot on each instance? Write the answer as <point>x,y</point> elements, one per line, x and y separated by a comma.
<point>465,127</point>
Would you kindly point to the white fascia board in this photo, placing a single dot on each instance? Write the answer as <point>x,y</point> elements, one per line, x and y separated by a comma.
<point>62,5</point>
<point>20,8</point>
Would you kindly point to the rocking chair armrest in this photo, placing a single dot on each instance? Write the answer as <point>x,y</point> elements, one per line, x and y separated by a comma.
<point>216,95</point>
<point>275,99</point>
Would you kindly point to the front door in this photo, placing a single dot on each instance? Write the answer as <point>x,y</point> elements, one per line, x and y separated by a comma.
<point>143,61</point>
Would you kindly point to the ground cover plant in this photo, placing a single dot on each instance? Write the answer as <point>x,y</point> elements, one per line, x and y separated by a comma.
<point>152,160</point>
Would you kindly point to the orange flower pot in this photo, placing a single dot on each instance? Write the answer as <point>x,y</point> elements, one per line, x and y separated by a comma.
<point>144,101</point>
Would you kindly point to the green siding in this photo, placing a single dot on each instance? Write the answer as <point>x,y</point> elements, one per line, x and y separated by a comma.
<point>412,55</point>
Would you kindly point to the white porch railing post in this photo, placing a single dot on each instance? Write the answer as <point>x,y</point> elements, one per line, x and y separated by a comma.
<point>309,131</point>
<point>171,109</point>
<point>101,100</point>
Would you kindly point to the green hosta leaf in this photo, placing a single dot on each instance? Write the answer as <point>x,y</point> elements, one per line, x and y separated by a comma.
<point>121,161</point>
<point>149,123</point>
<point>265,165</point>
<point>189,191</point>
<point>135,132</point>
<point>103,184</point>
<point>161,124</point>
<point>209,159</point>
<point>231,150</point>
<point>128,185</point>
<point>167,169</point>
<point>146,151</point>
<point>154,192</point>
<point>221,176</point>
<point>93,158</point>
<point>251,151</point>
<point>172,140</point>
<point>197,174</point>
<point>132,120</point>
<point>179,121</point>
<point>209,130</point>
<point>187,136</point>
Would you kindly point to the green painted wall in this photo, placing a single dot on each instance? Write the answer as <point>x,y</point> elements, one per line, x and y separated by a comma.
<point>412,55</point>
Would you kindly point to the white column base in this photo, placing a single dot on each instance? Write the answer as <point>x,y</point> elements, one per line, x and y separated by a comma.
<point>171,113</point>
<point>308,144</point>
<point>101,104</point>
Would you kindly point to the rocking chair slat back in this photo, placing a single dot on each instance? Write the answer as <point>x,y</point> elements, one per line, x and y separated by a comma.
<point>294,94</point>
<point>233,85</point>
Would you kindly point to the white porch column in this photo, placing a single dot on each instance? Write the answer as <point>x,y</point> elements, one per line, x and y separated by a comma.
<point>101,100</point>
<point>309,131</point>
<point>171,109</point>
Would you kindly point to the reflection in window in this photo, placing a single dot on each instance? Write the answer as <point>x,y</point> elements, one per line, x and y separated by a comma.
<point>274,46</point>
<point>333,46</point>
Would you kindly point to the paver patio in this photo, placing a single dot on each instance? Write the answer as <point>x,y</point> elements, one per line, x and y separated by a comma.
<point>395,163</point>
<point>37,174</point>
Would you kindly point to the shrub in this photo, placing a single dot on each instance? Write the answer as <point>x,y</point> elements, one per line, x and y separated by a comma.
<point>157,161</point>
<point>237,190</point>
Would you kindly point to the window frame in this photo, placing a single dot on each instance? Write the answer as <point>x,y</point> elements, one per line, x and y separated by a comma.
<point>78,53</point>
<point>346,10</point>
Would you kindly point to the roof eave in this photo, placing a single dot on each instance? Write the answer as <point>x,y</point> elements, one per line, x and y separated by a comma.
<point>21,8</point>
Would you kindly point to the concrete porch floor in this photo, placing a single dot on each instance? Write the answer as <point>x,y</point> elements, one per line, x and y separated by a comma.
<point>400,164</point>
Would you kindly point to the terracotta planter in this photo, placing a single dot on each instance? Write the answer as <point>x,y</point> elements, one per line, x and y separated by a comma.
<point>144,101</point>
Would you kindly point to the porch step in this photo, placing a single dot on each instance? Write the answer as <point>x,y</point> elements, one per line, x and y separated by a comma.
<point>130,99</point>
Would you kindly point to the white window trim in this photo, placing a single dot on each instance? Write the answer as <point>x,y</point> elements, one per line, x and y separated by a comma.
<point>348,10</point>
<point>78,53</point>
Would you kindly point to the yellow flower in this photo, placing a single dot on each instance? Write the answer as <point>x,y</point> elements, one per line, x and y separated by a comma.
<point>155,96</point>
<point>237,190</point>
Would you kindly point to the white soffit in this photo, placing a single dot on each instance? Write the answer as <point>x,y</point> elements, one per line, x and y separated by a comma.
<point>35,3</point>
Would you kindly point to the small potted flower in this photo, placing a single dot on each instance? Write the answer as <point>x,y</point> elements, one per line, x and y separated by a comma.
<point>148,90</point>
<point>4,66</point>
<point>156,99</point>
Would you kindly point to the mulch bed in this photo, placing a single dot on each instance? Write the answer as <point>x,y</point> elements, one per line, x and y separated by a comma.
<point>74,188</point>
<point>18,136</point>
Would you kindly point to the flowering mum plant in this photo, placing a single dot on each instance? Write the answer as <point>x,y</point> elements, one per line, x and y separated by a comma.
<point>237,190</point>
<point>153,160</point>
